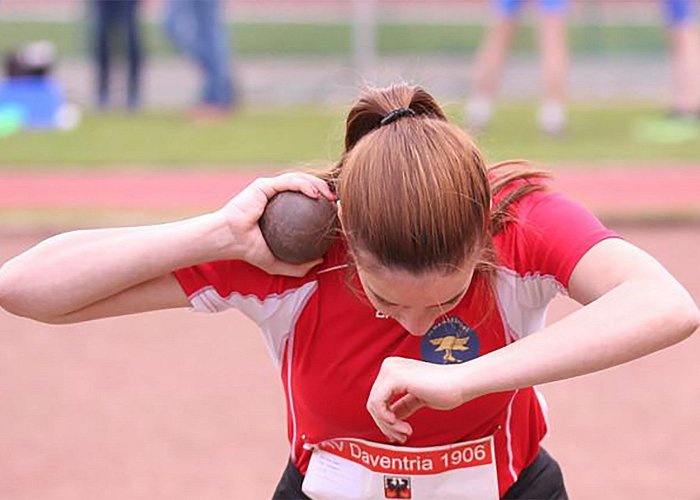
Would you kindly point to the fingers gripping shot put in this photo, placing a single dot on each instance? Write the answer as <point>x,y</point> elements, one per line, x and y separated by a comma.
<point>297,228</point>
<point>408,329</point>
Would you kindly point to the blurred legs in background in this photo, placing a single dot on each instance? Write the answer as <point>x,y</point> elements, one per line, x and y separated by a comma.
<point>554,64</point>
<point>197,29</point>
<point>487,71</point>
<point>684,40</point>
<point>115,18</point>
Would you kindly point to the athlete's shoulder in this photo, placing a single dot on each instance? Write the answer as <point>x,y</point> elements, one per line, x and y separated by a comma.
<point>547,235</point>
<point>228,277</point>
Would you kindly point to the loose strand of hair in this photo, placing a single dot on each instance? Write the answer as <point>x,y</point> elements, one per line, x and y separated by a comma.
<point>503,175</point>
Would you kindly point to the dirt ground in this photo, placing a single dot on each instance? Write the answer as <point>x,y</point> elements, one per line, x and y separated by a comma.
<point>178,405</point>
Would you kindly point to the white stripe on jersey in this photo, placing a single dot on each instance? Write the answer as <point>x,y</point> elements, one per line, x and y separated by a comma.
<point>276,315</point>
<point>509,437</point>
<point>522,301</point>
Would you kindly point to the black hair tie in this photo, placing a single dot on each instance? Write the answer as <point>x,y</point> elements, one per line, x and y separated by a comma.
<point>395,115</point>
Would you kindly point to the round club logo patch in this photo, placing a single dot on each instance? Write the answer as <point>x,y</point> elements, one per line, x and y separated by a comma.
<point>450,341</point>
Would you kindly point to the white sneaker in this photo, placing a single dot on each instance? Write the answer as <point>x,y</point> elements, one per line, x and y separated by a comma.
<point>478,113</point>
<point>551,118</point>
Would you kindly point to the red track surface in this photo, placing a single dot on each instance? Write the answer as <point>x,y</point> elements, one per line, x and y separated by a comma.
<point>609,192</point>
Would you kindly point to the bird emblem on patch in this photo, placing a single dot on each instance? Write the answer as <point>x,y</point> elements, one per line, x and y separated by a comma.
<point>450,341</point>
<point>448,345</point>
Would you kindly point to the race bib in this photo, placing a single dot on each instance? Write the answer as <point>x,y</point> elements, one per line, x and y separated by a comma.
<point>347,468</point>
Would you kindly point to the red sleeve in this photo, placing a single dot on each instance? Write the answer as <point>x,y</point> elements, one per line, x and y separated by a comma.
<point>218,285</point>
<point>233,276</point>
<point>551,235</point>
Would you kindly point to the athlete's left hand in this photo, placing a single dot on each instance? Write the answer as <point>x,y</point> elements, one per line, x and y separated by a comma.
<point>417,384</point>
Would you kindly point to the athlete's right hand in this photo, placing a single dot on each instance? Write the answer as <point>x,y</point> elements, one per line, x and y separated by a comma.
<point>242,213</point>
<point>403,386</point>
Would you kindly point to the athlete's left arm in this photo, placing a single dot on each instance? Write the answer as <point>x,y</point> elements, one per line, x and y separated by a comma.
<point>632,307</point>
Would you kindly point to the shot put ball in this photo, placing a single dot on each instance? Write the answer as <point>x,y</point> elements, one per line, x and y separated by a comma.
<point>296,228</point>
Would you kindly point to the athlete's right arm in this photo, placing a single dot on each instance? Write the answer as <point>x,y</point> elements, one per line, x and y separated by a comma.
<point>90,274</point>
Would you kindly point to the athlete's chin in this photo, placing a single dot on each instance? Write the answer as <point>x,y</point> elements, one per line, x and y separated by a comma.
<point>416,332</point>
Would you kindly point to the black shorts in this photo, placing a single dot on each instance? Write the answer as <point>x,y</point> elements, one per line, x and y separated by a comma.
<point>540,480</point>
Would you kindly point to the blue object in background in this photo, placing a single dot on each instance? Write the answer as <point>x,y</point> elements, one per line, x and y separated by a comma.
<point>40,99</point>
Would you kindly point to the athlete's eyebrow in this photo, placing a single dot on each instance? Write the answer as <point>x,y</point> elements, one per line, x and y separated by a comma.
<point>389,303</point>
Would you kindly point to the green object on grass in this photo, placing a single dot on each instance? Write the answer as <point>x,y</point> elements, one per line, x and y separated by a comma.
<point>11,119</point>
<point>669,130</point>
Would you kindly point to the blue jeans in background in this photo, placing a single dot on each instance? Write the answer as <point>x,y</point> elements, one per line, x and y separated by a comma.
<point>117,17</point>
<point>196,28</point>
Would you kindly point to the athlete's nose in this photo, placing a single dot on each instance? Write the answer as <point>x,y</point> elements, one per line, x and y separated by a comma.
<point>417,323</point>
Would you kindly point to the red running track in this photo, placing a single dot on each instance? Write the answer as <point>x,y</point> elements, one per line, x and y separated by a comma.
<point>615,191</point>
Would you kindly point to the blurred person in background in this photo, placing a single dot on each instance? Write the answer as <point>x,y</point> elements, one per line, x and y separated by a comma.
<point>197,29</point>
<point>30,96</point>
<point>115,21</point>
<point>554,63</point>
<point>684,39</point>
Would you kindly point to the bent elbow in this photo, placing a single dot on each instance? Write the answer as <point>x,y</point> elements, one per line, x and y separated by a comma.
<point>15,300</point>
<point>686,317</point>
<point>15,305</point>
<point>10,299</point>
<point>19,308</point>
<point>693,319</point>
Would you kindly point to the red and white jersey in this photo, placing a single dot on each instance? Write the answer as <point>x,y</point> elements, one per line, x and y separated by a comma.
<point>328,342</point>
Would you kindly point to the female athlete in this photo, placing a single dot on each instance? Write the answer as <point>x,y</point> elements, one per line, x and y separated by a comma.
<point>410,352</point>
